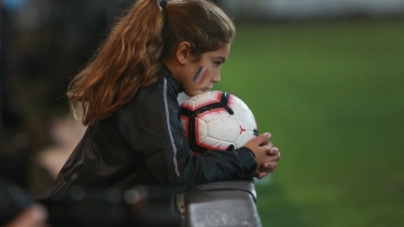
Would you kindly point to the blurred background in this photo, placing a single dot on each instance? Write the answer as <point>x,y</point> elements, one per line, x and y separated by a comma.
<point>324,76</point>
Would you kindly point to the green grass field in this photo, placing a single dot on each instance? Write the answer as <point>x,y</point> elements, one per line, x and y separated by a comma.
<point>332,94</point>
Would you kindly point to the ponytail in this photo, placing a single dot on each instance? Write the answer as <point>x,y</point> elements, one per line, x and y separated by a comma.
<point>128,59</point>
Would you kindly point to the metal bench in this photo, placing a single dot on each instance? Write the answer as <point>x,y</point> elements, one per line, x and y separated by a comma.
<point>224,203</point>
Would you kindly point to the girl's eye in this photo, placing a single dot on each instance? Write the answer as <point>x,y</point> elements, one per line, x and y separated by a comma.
<point>217,63</point>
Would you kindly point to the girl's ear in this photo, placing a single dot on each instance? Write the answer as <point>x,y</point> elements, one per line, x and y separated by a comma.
<point>183,52</point>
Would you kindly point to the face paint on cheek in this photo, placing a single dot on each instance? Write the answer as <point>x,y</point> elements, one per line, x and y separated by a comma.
<point>200,75</point>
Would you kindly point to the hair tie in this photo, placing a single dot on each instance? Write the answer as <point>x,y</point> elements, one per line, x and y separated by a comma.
<point>163,4</point>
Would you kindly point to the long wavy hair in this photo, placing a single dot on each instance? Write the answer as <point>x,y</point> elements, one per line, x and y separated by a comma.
<point>133,52</point>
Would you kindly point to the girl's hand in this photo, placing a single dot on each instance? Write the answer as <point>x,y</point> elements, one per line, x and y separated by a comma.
<point>266,154</point>
<point>269,167</point>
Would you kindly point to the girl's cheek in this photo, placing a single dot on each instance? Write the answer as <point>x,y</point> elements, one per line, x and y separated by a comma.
<point>200,75</point>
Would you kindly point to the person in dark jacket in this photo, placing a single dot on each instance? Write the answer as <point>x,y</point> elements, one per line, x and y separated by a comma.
<point>128,96</point>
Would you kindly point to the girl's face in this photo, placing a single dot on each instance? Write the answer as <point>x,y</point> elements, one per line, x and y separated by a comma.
<point>196,77</point>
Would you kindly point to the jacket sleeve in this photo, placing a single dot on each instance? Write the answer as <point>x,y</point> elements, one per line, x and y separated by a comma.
<point>152,126</point>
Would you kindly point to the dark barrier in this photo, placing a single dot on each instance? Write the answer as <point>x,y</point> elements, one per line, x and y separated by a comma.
<point>225,203</point>
<point>140,206</point>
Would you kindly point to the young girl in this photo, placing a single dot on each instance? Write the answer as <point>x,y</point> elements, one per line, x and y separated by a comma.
<point>128,94</point>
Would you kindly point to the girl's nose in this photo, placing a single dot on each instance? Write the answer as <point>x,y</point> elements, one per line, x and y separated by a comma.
<point>216,78</point>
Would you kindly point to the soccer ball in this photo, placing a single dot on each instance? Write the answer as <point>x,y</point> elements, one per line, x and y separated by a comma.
<point>217,120</point>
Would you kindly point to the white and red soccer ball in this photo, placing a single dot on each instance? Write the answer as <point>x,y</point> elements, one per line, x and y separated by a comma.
<point>217,120</point>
